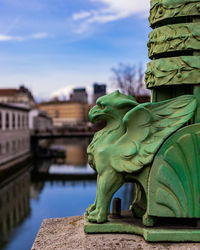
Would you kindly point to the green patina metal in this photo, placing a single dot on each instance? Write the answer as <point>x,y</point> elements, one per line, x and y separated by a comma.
<point>162,10</point>
<point>174,179</point>
<point>170,38</point>
<point>133,134</point>
<point>127,224</point>
<point>173,71</point>
<point>154,145</point>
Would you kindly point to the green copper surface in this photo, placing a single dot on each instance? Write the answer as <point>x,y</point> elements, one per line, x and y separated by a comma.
<point>173,71</point>
<point>174,178</point>
<point>133,134</point>
<point>133,226</point>
<point>174,38</point>
<point>197,95</point>
<point>163,9</point>
<point>154,144</point>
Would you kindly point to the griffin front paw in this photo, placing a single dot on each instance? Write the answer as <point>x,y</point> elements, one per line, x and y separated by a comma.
<point>91,208</point>
<point>97,216</point>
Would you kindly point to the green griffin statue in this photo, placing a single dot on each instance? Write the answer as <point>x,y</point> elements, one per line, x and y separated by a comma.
<point>132,136</point>
<point>154,145</point>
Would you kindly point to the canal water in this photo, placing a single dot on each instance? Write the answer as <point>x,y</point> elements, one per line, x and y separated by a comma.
<point>56,188</point>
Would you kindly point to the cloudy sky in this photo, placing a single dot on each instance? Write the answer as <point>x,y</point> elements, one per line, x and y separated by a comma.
<point>53,45</point>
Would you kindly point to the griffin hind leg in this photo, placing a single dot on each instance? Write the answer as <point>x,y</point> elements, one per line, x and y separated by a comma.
<point>148,221</point>
<point>139,204</point>
<point>109,182</point>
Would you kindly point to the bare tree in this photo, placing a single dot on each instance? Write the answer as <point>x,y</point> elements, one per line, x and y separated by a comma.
<point>130,79</point>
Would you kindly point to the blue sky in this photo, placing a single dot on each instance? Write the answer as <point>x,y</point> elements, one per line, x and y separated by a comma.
<point>54,45</point>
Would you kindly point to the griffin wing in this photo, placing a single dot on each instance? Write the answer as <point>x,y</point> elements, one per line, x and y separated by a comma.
<point>147,126</point>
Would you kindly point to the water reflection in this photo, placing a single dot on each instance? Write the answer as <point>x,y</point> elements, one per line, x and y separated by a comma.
<point>75,150</point>
<point>51,190</point>
<point>70,169</point>
<point>14,205</point>
<point>35,189</point>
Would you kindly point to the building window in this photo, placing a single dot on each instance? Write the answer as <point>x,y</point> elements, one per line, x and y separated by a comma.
<point>56,114</point>
<point>13,120</point>
<point>7,147</point>
<point>0,120</point>
<point>19,121</point>
<point>23,125</point>
<point>27,121</point>
<point>7,121</point>
<point>14,146</point>
<point>19,144</point>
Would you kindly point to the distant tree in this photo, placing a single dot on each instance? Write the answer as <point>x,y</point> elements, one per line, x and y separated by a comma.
<point>130,79</point>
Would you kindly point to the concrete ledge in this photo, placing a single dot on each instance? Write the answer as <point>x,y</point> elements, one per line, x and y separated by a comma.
<point>68,233</point>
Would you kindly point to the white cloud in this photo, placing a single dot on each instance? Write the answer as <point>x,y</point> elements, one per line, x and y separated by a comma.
<point>64,93</point>
<point>41,35</point>
<point>4,38</point>
<point>128,6</point>
<point>67,90</point>
<point>52,83</point>
<point>81,15</point>
<point>110,11</point>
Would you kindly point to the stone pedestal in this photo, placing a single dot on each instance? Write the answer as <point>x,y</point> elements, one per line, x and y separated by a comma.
<point>68,233</point>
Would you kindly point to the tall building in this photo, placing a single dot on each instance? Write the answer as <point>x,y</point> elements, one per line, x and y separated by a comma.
<point>98,91</point>
<point>79,95</point>
<point>22,96</point>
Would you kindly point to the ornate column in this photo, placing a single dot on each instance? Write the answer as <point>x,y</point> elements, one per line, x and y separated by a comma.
<point>174,47</point>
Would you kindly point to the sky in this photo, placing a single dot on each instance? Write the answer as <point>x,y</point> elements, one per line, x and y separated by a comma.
<point>51,46</point>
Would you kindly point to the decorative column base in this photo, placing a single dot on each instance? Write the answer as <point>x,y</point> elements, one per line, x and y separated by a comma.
<point>184,231</point>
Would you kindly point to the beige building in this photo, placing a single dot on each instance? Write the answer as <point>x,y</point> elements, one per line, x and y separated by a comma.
<point>21,96</point>
<point>66,112</point>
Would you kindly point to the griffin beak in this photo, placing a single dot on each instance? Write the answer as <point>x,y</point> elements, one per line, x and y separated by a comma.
<point>94,114</point>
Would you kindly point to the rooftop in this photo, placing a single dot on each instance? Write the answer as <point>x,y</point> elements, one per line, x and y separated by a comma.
<point>14,91</point>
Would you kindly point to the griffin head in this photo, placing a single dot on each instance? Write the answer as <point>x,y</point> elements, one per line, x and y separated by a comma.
<point>112,106</point>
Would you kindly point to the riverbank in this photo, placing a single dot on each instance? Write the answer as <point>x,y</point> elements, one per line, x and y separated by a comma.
<point>11,169</point>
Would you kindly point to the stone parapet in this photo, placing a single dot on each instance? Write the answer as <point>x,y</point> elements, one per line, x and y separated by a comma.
<point>67,233</point>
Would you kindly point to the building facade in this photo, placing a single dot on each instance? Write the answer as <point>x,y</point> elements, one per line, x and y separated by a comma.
<point>98,91</point>
<point>14,132</point>
<point>79,95</point>
<point>66,113</point>
<point>40,121</point>
<point>21,96</point>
